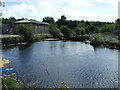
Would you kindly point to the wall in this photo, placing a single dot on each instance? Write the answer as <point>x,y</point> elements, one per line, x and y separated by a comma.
<point>41,29</point>
<point>6,28</point>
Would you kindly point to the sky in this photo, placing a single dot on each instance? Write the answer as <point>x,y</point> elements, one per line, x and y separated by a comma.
<point>90,10</point>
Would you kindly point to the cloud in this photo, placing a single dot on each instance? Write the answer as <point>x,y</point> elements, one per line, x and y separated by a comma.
<point>72,9</point>
<point>21,10</point>
<point>81,3</point>
<point>112,3</point>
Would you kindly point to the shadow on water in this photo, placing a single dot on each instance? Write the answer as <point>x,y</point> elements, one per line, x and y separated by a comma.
<point>20,46</point>
<point>8,46</point>
<point>24,46</point>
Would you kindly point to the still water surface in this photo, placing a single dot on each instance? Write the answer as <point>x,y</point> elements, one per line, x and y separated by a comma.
<point>47,63</point>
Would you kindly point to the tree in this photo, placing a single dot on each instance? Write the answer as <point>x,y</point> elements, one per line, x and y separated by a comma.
<point>98,29</point>
<point>49,20</point>
<point>79,31</point>
<point>27,32</point>
<point>117,21</point>
<point>61,21</point>
<point>55,31</point>
<point>72,23</point>
<point>2,4</point>
<point>72,34</point>
<point>65,31</point>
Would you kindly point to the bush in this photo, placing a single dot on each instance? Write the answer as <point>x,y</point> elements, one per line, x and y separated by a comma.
<point>72,34</point>
<point>96,39</point>
<point>49,36</point>
<point>65,31</point>
<point>114,43</point>
<point>19,39</point>
<point>27,32</point>
<point>79,31</point>
<point>43,36</point>
<point>55,32</point>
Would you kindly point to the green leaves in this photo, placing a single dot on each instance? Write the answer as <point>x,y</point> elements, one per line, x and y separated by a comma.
<point>27,32</point>
<point>80,31</point>
<point>55,31</point>
<point>10,82</point>
<point>65,31</point>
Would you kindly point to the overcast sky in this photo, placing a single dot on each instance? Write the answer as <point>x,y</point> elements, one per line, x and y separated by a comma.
<point>91,10</point>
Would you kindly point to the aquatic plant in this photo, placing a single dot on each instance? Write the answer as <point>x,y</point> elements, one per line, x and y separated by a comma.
<point>3,62</point>
<point>10,81</point>
<point>63,86</point>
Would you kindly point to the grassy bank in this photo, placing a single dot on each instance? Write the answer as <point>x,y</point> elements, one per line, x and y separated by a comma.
<point>104,40</point>
<point>20,39</point>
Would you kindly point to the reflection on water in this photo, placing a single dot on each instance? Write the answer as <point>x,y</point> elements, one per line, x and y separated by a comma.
<point>50,62</point>
<point>24,46</point>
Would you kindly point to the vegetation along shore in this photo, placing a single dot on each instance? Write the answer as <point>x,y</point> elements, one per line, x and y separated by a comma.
<point>94,32</point>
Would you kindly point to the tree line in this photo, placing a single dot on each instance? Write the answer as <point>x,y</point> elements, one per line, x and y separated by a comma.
<point>73,28</point>
<point>76,28</point>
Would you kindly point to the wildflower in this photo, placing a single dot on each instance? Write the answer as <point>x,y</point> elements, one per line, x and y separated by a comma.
<point>62,82</point>
<point>4,76</point>
<point>1,77</point>
<point>14,74</point>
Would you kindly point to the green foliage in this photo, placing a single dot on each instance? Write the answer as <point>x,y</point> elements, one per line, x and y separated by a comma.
<point>108,28</point>
<point>11,82</point>
<point>65,31</point>
<point>96,39</point>
<point>79,31</point>
<point>97,30</point>
<point>49,20</point>
<point>117,27</point>
<point>54,31</point>
<point>114,43</point>
<point>72,34</point>
<point>2,4</point>
<point>19,39</point>
<point>117,21</point>
<point>61,21</point>
<point>42,36</point>
<point>27,32</point>
<point>63,86</point>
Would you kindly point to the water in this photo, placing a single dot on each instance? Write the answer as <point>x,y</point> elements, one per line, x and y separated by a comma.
<point>47,63</point>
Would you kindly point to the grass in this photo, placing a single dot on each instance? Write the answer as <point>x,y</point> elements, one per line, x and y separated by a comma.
<point>42,36</point>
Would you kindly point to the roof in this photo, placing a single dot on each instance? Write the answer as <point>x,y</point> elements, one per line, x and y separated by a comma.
<point>31,21</point>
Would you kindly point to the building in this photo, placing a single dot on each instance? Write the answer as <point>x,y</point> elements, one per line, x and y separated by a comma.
<point>38,27</point>
<point>6,28</point>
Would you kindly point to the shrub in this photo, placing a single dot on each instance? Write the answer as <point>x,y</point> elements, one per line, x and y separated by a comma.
<point>65,31</point>
<point>27,32</point>
<point>49,36</point>
<point>96,39</point>
<point>72,34</point>
<point>114,43</point>
<point>19,39</point>
<point>79,31</point>
<point>55,32</point>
